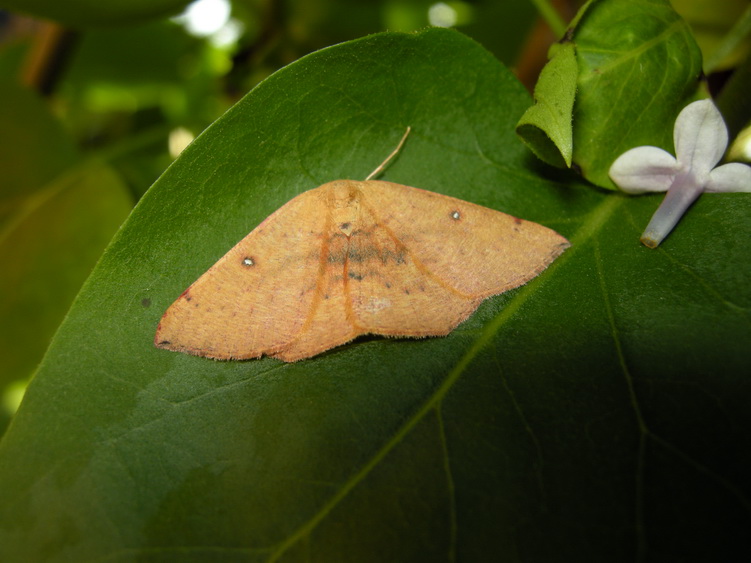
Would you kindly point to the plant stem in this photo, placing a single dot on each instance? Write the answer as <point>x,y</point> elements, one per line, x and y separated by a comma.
<point>736,34</point>
<point>551,16</point>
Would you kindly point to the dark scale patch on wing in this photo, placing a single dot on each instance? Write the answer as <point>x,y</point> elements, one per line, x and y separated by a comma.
<point>360,254</point>
<point>397,257</point>
<point>362,250</point>
<point>355,276</point>
<point>341,255</point>
<point>336,257</point>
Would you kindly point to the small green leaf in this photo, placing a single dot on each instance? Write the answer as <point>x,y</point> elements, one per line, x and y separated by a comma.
<point>639,65</point>
<point>546,126</point>
<point>85,13</point>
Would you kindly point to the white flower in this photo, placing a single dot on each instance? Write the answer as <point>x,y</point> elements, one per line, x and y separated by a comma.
<point>700,138</point>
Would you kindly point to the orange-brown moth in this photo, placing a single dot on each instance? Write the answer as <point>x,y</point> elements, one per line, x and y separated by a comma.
<point>350,258</point>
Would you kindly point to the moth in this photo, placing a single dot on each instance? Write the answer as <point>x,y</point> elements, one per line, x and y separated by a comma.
<point>350,258</point>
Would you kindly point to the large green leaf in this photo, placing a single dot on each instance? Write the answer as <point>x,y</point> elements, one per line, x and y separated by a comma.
<point>599,413</point>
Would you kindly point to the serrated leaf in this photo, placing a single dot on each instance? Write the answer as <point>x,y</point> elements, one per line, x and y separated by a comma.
<point>582,417</point>
<point>639,65</point>
<point>546,126</point>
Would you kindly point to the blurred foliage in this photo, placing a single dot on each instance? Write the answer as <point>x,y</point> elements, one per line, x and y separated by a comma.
<point>711,21</point>
<point>82,13</point>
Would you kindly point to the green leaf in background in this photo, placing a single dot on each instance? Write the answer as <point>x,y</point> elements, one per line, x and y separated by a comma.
<point>46,251</point>
<point>154,54</point>
<point>87,13</point>
<point>35,147</point>
<point>125,89</point>
<point>599,413</point>
<point>634,79</point>
<point>56,217</point>
<point>712,23</point>
<point>546,126</point>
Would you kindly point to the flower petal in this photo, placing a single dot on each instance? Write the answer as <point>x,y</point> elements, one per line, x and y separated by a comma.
<point>680,196</point>
<point>733,177</point>
<point>644,169</point>
<point>700,137</point>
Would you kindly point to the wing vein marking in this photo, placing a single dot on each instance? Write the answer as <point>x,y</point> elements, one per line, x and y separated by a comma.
<point>416,261</point>
<point>318,291</point>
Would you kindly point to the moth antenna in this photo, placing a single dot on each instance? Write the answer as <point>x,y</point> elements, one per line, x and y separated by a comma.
<point>383,165</point>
